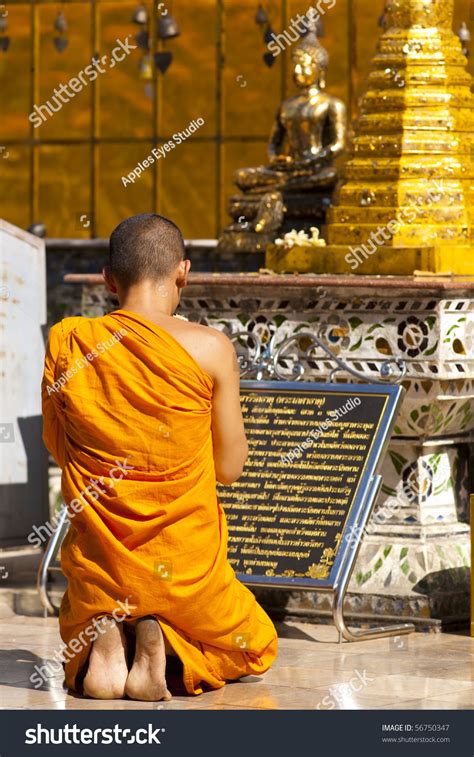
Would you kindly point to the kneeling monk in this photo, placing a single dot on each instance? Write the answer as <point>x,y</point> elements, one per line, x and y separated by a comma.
<point>142,413</point>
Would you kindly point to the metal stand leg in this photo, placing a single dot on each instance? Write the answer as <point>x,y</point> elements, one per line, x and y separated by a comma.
<point>343,582</point>
<point>47,560</point>
<point>362,634</point>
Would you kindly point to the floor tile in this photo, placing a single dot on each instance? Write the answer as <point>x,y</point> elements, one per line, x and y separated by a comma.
<point>313,671</point>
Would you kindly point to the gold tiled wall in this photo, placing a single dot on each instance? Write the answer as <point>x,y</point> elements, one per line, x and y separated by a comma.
<point>72,165</point>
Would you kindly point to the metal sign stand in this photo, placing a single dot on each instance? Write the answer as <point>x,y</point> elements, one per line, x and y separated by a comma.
<point>345,573</point>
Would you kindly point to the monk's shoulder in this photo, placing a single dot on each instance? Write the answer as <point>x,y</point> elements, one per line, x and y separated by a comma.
<point>211,348</point>
<point>71,323</point>
<point>60,330</point>
<point>209,336</point>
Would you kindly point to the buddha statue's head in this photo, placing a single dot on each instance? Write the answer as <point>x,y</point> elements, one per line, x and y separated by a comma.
<point>310,61</point>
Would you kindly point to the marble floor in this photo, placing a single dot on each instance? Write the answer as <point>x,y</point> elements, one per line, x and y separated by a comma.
<point>418,672</point>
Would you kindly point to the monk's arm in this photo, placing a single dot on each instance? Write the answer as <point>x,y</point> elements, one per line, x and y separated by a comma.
<point>228,434</point>
<point>53,432</point>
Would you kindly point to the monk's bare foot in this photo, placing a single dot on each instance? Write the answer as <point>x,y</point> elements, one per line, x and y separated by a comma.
<point>108,671</point>
<point>146,680</point>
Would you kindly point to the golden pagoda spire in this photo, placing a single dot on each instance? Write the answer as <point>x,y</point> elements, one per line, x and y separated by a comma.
<point>406,199</point>
<point>409,181</point>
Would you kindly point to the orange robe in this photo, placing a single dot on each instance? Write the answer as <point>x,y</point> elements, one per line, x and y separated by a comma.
<point>129,422</point>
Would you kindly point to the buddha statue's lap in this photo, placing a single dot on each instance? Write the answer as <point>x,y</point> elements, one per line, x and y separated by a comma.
<point>262,179</point>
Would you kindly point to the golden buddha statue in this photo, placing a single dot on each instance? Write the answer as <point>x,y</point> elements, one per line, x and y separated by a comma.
<point>294,190</point>
<point>308,134</point>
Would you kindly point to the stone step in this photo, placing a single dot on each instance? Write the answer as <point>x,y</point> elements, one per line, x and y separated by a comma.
<point>18,565</point>
<point>364,611</point>
<point>18,592</point>
<point>25,600</point>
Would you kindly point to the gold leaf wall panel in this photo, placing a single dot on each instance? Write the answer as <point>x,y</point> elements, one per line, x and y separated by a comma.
<point>64,187</point>
<point>193,200</point>
<point>114,201</point>
<point>73,119</point>
<point>189,89</point>
<point>73,164</point>
<point>15,68</point>
<point>15,171</point>
<point>252,91</point>
<point>125,109</point>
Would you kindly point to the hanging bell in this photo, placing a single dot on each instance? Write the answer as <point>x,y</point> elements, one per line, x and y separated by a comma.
<point>269,59</point>
<point>60,24</point>
<point>4,43</point>
<point>140,15</point>
<point>163,61</point>
<point>261,16</point>
<point>60,43</point>
<point>269,35</point>
<point>3,24</point>
<point>142,39</point>
<point>168,28</point>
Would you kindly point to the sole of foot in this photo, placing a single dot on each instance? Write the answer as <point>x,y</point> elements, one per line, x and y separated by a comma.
<point>146,681</point>
<point>107,673</point>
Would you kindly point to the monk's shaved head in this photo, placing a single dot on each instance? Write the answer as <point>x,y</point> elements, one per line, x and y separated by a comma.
<point>146,246</point>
